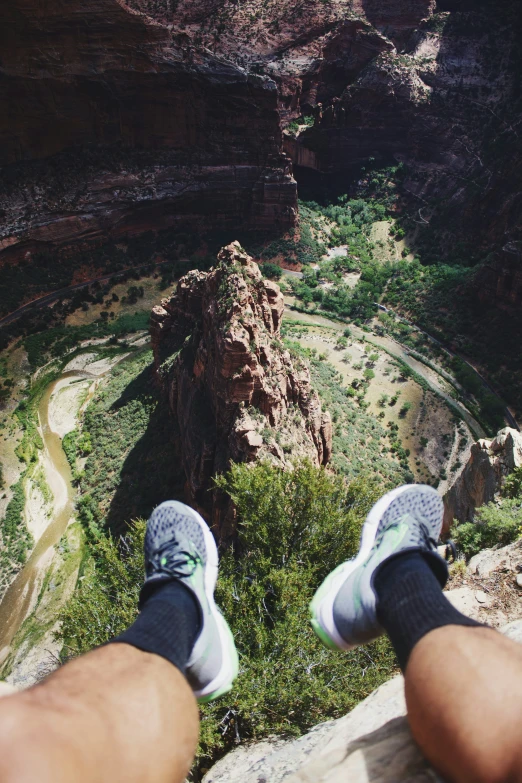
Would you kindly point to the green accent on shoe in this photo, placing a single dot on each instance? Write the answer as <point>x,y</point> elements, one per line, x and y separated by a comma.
<point>323,636</point>
<point>180,546</point>
<point>344,612</point>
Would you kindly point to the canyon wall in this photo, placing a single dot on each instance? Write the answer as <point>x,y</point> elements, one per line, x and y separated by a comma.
<point>433,85</point>
<point>444,100</point>
<point>167,114</point>
<point>113,123</point>
<point>234,392</point>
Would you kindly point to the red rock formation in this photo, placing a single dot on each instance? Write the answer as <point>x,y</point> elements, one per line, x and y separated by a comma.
<point>407,80</point>
<point>234,392</point>
<point>113,124</point>
<point>489,464</point>
<point>170,134</point>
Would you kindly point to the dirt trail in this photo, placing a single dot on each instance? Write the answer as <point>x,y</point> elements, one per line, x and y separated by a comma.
<point>434,381</point>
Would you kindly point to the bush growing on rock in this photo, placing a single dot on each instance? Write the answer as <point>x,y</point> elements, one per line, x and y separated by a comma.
<point>293,527</point>
<point>494,524</point>
<point>272,271</point>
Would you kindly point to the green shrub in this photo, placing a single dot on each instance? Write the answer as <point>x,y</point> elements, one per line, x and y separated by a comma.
<point>494,524</point>
<point>513,484</point>
<point>293,527</point>
<point>273,271</point>
<point>16,538</point>
<point>106,599</point>
<point>70,445</point>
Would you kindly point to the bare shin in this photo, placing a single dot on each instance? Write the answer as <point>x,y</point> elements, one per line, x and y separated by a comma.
<point>464,697</point>
<point>114,714</point>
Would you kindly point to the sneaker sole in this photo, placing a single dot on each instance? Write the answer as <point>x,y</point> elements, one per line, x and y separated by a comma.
<point>321,606</point>
<point>223,681</point>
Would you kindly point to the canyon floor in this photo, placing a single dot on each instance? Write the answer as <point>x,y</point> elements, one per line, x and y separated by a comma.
<point>435,431</point>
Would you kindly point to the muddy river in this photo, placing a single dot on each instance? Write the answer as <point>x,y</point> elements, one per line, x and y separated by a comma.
<point>20,597</point>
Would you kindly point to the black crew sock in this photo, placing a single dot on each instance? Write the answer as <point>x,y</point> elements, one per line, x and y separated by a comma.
<point>168,624</point>
<point>410,601</point>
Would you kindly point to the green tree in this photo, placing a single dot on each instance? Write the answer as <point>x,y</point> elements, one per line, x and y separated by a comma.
<point>273,271</point>
<point>513,485</point>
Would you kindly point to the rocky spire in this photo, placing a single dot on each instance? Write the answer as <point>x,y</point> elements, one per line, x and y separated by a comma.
<point>234,391</point>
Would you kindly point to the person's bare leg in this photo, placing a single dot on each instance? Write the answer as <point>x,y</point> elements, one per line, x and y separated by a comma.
<point>463,680</point>
<point>464,698</point>
<point>114,714</point>
<point>127,711</point>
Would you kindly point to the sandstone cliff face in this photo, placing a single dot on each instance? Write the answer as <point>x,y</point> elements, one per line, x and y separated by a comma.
<point>489,464</point>
<point>114,124</point>
<point>167,114</point>
<point>433,85</point>
<point>234,392</point>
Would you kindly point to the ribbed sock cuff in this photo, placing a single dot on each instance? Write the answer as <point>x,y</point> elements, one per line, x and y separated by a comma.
<point>168,624</point>
<point>410,603</point>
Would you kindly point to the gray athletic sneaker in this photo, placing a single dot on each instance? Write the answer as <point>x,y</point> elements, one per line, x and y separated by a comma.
<point>178,544</point>
<point>344,607</point>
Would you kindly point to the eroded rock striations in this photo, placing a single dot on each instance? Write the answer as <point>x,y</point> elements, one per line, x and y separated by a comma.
<point>234,391</point>
<point>489,464</point>
<point>167,114</point>
<point>434,85</point>
<point>114,124</point>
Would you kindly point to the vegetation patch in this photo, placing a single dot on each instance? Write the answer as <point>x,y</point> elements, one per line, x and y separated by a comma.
<point>129,462</point>
<point>293,528</point>
<point>60,340</point>
<point>16,539</point>
<point>495,524</point>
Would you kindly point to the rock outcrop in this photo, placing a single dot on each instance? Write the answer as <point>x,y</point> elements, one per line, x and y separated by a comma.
<point>114,124</point>
<point>234,391</point>
<point>149,114</point>
<point>489,464</point>
<point>372,744</point>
